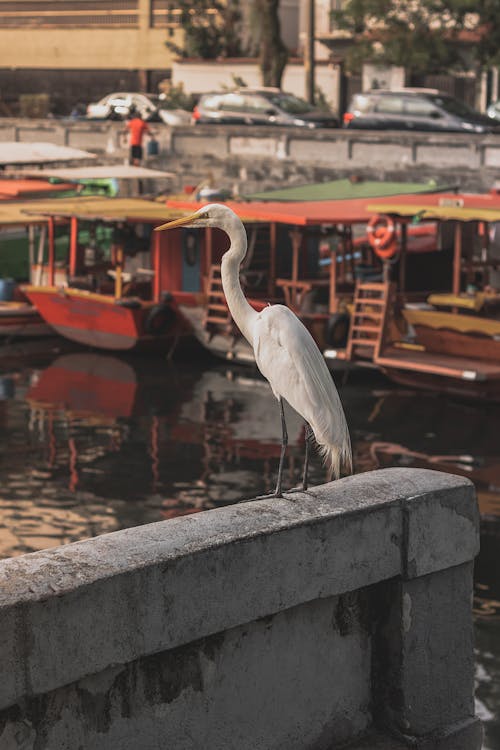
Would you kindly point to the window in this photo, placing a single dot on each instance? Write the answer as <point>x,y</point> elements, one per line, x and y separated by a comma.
<point>257,105</point>
<point>290,104</point>
<point>232,103</point>
<point>421,108</point>
<point>211,102</point>
<point>390,105</point>
<point>362,103</point>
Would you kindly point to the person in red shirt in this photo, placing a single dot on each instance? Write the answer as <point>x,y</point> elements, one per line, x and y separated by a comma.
<point>136,127</point>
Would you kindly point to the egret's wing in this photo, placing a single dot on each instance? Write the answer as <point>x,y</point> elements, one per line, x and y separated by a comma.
<point>289,358</point>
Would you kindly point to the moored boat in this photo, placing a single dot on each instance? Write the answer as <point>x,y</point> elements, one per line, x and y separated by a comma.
<point>111,292</point>
<point>449,339</point>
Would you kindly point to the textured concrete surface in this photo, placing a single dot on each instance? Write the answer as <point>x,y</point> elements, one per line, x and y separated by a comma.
<point>308,618</point>
<point>264,157</point>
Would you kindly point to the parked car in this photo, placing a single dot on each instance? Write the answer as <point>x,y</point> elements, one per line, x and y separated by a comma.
<point>260,106</point>
<point>493,110</point>
<point>415,109</point>
<point>153,107</point>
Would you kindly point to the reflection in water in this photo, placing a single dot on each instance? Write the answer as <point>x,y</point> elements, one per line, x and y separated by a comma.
<point>93,443</point>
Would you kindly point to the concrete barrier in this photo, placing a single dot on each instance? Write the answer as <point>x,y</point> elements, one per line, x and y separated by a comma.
<point>341,615</point>
<point>256,158</point>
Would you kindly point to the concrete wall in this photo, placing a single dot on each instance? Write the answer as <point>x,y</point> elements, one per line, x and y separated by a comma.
<point>338,615</point>
<point>258,158</point>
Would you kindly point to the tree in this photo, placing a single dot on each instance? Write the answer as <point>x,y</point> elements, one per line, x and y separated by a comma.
<point>210,29</point>
<point>423,37</point>
<point>273,54</point>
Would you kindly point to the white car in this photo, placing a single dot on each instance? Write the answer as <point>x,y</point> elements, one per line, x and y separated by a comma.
<point>117,106</point>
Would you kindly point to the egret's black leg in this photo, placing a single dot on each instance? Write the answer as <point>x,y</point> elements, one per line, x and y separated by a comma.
<point>284,443</point>
<point>308,440</point>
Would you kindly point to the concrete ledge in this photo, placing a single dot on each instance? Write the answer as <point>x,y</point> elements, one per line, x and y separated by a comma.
<point>263,578</point>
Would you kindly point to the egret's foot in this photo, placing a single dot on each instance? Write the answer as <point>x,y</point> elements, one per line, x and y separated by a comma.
<point>301,490</point>
<point>269,496</point>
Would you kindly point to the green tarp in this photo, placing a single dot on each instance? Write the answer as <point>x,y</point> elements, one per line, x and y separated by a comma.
<point>345,189</point>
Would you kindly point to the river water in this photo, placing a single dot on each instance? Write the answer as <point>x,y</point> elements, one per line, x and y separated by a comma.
<point>92,443</point>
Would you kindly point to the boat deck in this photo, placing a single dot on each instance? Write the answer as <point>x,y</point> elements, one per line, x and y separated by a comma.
<point>438,364</point>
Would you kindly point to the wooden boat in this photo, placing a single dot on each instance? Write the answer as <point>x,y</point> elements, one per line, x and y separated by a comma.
<point>443,339</point>
<point>18,318</point>
<point>180,289</point>
<point>23,253</point>
<point>113,295</point>
<point>284,264</point>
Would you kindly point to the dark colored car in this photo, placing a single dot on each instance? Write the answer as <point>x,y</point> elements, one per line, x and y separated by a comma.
<point>265,106</point>
<point>415,109</point>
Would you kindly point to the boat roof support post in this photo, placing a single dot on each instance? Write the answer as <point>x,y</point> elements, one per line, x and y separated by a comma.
<point>296,236</point>
<point>73,246</point>
<point>31,245</point>
<point>209,246</point>
<point>52,254</point>
<point>157,238</point>
<point>402,257</point>
<point>273,238</point>
<point>334,302</point>
<point>119,260</point>
<point>457,258</point>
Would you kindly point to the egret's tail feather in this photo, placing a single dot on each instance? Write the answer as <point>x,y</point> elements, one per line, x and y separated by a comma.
<point>338,459</point>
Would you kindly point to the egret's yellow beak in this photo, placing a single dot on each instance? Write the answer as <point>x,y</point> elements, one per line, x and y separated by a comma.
<point>178,222</point>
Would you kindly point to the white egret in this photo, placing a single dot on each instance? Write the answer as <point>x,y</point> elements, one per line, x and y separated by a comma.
<point>285,352</point>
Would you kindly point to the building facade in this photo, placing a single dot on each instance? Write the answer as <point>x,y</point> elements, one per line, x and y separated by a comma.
<point>79,50</point>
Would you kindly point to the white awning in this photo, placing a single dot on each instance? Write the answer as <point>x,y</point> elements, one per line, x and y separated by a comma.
<point>101,171</point>
<point>15,153</point>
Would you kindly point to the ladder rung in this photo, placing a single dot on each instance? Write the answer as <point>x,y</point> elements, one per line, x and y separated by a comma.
<point>373,286</point>
<point>214,306</point>
<point>374,315</point>
<point>368,301</point>
<point>216,319</point>
<point>369,329</point>
<point>364,342</point>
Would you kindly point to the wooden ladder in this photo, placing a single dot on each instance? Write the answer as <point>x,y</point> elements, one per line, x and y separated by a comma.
<point>366,332</point>
<point>217,318</point>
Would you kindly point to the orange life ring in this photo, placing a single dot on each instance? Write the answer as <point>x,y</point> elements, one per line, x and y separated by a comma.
<point>387,252</point>
<point>380,231</point>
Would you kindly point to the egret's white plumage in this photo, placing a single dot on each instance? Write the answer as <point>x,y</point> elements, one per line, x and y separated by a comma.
<point>285,352</point>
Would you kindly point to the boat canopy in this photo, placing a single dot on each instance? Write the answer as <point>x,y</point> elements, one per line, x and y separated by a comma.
<point>99,171</point>
<point>346,189</point>
<point>19,188</point>
<point>99,208</point>
<point>427,212</point>
<point>303,213</point>
<point>15,153</point>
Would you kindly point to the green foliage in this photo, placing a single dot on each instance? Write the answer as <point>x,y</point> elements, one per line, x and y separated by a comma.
<point>174,97</point>
<point>419,36</point>
<point>320,100</point>
<point>238,83</point>
<point>211,29</point>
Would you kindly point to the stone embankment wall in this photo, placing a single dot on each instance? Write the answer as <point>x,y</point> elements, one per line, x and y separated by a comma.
<point>340,615</point>
<point>253,158</point>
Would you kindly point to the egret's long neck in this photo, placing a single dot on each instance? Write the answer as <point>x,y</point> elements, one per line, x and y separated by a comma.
<point>243,313</point>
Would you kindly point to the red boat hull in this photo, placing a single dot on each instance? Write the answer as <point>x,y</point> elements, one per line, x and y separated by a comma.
<point>98,320</point>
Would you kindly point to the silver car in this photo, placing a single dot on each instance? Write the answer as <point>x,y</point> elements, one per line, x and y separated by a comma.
<point>119,105</point>
<point>260,106</point>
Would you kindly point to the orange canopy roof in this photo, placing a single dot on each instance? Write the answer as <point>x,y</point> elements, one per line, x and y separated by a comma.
<point>13,188</point>
<point>302,213</point>
<point>349,211</point>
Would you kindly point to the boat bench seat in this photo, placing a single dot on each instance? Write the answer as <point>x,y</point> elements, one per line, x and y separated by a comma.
<point>446,365</point>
